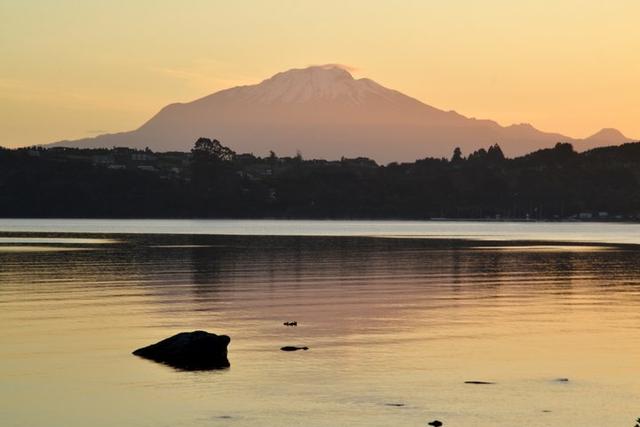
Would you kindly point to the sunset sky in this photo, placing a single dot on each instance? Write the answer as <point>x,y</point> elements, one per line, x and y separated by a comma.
<point>73,69</point>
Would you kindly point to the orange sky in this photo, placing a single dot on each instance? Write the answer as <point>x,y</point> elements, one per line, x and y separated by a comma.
<point>75,69</point>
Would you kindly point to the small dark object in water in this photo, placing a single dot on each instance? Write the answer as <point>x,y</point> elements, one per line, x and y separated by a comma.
<point>395,404</point>
<point>198,350</point>
<point>478,382</point>
<point>294,323</point>
<point>436,423</point>
<point>562,380</point>
<point>293,348</point>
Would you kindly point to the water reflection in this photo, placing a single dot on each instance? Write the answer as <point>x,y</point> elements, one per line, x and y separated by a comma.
<point>386,320</point>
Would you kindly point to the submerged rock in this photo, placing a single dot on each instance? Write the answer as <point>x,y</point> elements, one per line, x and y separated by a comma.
<point>293,348</point>
<point>479,382</point>
<point>436,423</point>
<point>198,350</point>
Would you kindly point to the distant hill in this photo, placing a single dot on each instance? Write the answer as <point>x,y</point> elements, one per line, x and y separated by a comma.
<point>323,112</point>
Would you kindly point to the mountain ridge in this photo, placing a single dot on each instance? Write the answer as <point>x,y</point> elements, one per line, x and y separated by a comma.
<point>324,112</point>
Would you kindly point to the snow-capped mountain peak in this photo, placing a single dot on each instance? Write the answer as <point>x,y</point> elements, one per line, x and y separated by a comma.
<point>325,112</point>
<point>315,83</point>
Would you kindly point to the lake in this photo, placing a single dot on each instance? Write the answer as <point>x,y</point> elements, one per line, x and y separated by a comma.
<point>396,315</point>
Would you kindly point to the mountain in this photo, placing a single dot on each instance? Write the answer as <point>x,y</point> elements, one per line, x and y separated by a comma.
<point>323,112</point>
<point>605,137</point>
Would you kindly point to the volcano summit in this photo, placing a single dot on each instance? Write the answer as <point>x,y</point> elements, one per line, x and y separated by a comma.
<point>324,112</point>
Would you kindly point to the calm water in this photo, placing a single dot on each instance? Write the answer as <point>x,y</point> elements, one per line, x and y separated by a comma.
<point>388,321</point>
<point>500,231</point>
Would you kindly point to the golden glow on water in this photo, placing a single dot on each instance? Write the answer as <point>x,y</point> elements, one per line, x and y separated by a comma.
<point>543,248</point>
<point>499,231</point>
<point>386,320</point>
<point>180,246</point>
<point>56,240</point>
<point>16,248</point>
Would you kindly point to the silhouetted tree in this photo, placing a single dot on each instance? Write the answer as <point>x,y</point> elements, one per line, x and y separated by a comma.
<point>457,155</point>
<point>495,154</point>
<point>478,155</point>
<point>211,150</point>
<point>212,176</point>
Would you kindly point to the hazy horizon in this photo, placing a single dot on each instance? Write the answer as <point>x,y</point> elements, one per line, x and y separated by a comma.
<point>77,70</point>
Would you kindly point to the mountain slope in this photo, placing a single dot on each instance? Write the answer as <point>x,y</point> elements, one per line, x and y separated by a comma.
<point>323,112</point>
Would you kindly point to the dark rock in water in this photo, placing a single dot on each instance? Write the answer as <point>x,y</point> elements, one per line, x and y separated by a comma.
<point>293,348</point>
<point>294,323</point>
<point>395,404</point>
<point>436,423</point>
<point>198,350</point>
<point>478,382</point>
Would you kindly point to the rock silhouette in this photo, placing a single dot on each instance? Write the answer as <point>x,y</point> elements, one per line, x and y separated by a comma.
<point>198,350</point>
<point>479,382</point>
<point>293,348</point>
<point>435,423</point>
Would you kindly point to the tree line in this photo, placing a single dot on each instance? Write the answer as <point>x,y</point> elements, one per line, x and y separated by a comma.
<point>212,181</point>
